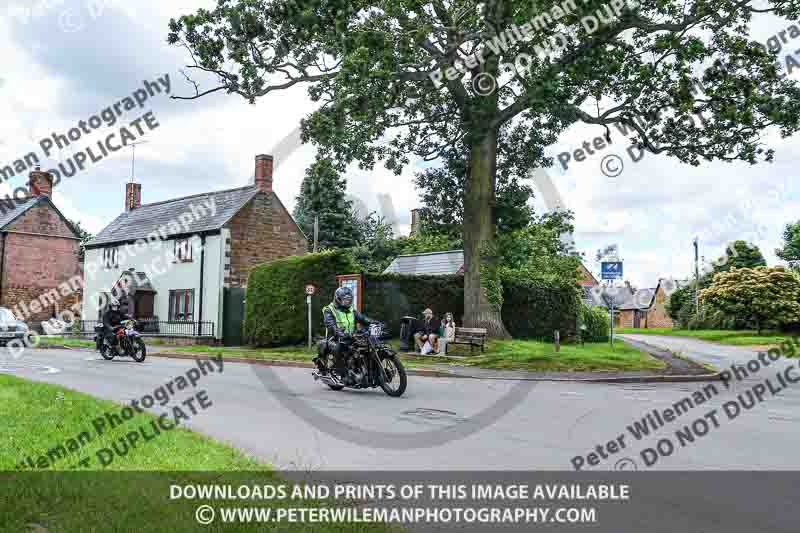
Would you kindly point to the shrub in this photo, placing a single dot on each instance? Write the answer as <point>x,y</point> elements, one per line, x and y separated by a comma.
<point>596,321</point>
<point>275,310</point>
<point>389,297</point>
<point>536,308</point>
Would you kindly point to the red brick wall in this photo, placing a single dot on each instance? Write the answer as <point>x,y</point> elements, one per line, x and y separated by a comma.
<point>261,231</point>
<point>658,317</point>
<point>34,264</point>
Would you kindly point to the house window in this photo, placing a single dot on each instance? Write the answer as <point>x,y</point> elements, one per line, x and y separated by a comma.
<point>183,250</point>
<point>110,257</point>
<point>181,305</point>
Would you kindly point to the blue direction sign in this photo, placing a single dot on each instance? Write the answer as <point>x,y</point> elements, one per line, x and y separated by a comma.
<point>611,270</point>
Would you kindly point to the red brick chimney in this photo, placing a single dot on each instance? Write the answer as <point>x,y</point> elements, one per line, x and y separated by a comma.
<point>41,183</point>
<point>133,196</point>
<point>264,172</point>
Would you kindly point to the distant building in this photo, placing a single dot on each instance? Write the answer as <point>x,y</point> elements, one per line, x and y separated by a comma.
<point>645,308</point>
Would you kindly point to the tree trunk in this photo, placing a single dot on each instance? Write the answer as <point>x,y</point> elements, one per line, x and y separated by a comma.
<point>479,229</point>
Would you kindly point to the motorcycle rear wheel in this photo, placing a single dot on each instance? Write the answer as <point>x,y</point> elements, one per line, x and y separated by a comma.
<point>106,351</point>
<point>398,381</point>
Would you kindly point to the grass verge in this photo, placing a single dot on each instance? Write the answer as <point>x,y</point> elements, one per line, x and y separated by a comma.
<point>133,492</point>
<point>517,354</point>
<point>733,338</point>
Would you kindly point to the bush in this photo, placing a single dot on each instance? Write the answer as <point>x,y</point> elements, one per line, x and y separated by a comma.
<point>596,321</point>
<point>536,308</point>
<point>390,297</point>
<point>531,308</point>
<point>275,310</point>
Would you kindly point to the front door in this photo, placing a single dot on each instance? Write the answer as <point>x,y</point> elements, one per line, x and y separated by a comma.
<point>636,319</point>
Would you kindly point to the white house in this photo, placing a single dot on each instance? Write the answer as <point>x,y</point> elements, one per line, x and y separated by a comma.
<point>173,264</point>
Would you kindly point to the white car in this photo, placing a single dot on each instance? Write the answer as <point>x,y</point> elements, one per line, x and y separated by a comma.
<point>10,327</point>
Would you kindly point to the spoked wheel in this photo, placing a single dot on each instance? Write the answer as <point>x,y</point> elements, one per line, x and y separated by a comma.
<point>395,382</point>
<point>138,351</point>
<point>106,351</point>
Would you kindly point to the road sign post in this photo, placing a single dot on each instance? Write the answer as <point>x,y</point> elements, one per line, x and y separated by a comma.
<point>611,270</point>
<point>309,290</point>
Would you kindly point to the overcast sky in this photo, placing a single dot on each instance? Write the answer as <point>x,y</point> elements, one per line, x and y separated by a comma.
<point>65,60</point>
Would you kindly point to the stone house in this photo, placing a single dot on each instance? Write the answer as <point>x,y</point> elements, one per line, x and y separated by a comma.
<point>181,266</point>
<point>40,273</point>
<point>645,308</point>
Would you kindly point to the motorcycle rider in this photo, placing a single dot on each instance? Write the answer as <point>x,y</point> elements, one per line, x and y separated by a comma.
<point>340,319</point>
<point>113,317</point>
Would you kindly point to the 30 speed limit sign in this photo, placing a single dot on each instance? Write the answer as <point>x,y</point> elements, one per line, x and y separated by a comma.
<point>310,290</point>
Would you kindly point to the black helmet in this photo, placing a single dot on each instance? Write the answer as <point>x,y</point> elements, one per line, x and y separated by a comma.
<point>340,294</point>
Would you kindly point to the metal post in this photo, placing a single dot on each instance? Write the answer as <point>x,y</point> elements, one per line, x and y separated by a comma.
<point>612,321</point>
<point>308,303</point>
<point>696,279</point>
<point>316,232</point>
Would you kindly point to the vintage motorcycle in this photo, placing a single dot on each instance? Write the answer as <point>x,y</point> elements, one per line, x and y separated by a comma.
<point>369,363</point>
<point>129,342</point>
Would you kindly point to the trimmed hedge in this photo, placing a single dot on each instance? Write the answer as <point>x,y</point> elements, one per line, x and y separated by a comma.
<point>389,297</point>
<point>531,308</point>
<point>536,308</point>
<point>275,310</point>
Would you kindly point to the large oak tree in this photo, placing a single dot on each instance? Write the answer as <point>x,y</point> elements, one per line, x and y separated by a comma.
<point>370,64</point>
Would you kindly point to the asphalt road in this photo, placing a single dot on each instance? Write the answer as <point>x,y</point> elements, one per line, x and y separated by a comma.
<point>281,415</point>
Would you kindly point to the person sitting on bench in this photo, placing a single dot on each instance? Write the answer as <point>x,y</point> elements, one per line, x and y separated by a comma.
<point>426,330</point>
<point>448,333</point>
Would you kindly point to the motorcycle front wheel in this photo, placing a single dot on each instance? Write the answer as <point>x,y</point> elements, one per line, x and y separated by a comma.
<point>138,350</point>
<point>396,381</point>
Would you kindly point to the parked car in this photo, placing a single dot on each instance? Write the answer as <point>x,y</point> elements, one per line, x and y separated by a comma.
<point>10,327</point>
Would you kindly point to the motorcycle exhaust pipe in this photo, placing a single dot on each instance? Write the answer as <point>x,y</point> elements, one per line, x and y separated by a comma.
<point>325,379</point>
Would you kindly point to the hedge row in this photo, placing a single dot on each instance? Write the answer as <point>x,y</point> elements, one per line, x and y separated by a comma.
<point>275,307</point>
<point>275,311</point>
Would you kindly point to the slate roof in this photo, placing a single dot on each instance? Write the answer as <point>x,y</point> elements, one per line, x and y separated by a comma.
<point>641,299</point>
<point>21,205</point>
<point>139,222</point>
<point>8,214</point>
<point>450,262</point>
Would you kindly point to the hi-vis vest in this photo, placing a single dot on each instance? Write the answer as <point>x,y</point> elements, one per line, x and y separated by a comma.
<point>345,321</point>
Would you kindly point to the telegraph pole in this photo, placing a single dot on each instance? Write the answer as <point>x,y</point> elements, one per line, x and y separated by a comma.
<point>696,278</point>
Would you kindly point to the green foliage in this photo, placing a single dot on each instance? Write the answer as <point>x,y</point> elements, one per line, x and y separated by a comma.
<point>535,308</point>
<point>596,321</point>
<point>441,191</point>
<point>739,254</point>
<point>322,194</point>
<point>763,295</point>
<point>370,68</point>
<point>389,297</point>
<point>790,251</point>
<point>275,311</point>
<point>84,236</point>
<point>376,246</point>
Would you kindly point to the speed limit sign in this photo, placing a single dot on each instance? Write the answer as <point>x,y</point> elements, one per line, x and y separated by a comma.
<point>310,289</point>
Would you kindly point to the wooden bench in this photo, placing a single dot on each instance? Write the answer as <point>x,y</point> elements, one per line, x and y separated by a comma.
<point>472,336</point>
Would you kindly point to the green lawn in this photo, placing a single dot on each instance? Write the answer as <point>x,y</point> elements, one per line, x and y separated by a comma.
<point>516,354</point>
<point>736,338</point>
<point>133,492</point>
<point>541,356</point>
<point>57,341</point>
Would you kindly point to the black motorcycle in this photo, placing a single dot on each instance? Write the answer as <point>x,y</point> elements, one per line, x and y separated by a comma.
<point>129,342</point>
<point>368,363</point>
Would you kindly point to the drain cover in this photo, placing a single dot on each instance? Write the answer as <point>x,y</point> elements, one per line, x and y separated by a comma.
<point>431,414</point>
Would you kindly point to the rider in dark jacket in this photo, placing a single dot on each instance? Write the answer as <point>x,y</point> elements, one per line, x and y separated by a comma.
<point>340,318</point>
<point>112,317</point>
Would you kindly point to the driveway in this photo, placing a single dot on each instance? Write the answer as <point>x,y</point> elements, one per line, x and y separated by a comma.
<point>282,416</point>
